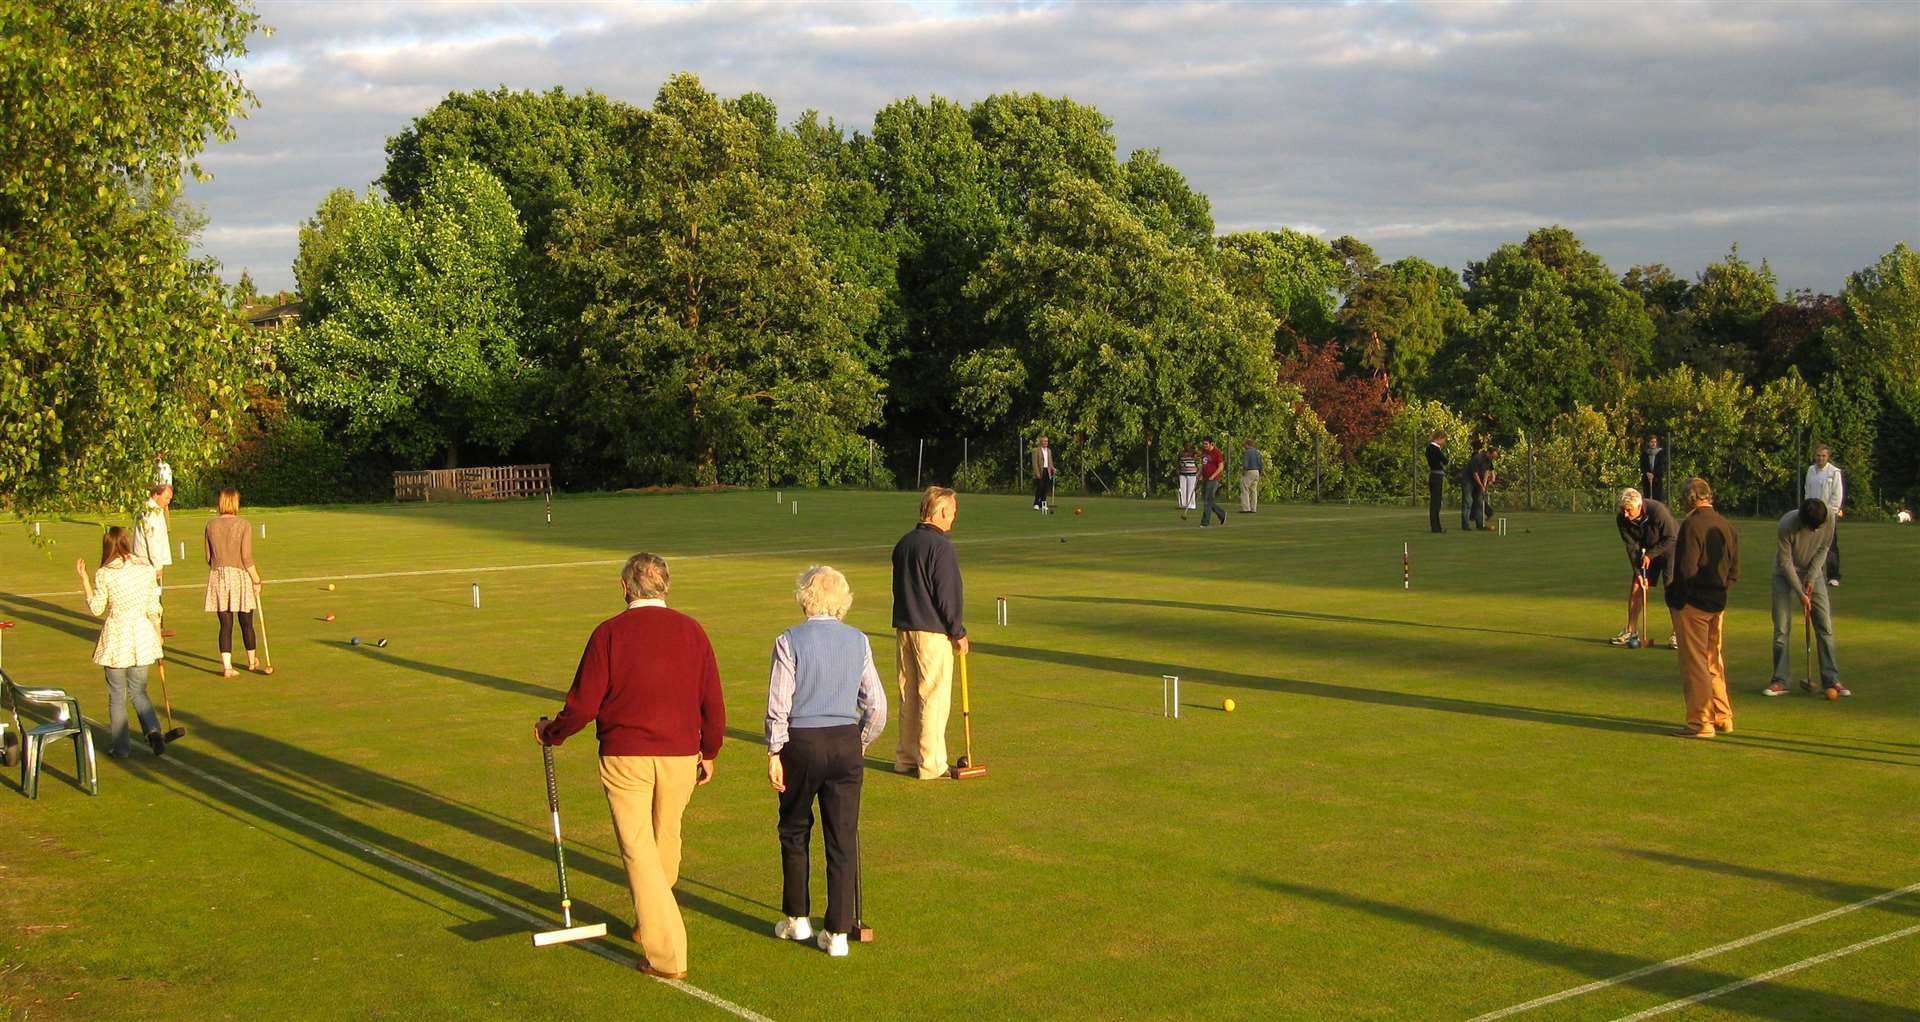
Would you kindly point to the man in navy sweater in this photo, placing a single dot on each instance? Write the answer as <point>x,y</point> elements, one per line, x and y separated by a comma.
<point>649,680</point>
<point>928,634</point>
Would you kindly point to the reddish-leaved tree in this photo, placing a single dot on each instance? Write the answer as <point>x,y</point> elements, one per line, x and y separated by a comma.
<point>1355,408</point>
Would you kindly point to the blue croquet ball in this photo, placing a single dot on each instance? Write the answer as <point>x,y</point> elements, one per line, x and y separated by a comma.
<point>1633,643</point>
<point>354,641</point>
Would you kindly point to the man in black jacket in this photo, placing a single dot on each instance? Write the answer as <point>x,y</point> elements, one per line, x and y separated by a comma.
<point>1436,478</point>
<point>928,633</point>
<point>1706,563</point>
<point>1648,530</point>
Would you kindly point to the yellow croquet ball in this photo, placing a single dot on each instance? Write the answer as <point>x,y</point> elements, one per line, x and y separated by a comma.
<point>329,587</point>
<point>1079,510</point>
<point>1227,706</point>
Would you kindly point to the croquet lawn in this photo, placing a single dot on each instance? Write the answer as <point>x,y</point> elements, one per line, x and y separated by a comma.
<point>1434,803</point>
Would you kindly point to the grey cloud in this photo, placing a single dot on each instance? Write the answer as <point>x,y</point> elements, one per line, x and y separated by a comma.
<point>1660,132</point>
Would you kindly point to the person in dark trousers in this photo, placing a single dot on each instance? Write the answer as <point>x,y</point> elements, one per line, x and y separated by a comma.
<point>1043,472</point>
<point>1653,470</point>
<point>649,683</point>
<point>1212,477</point>
<point>1799,565</point>
<point>824,707</point>
<point>1706,563</point>
<point>1648,530</point>
<point>928,634</point>
<point>1473,489</point>
<point>1436,478</point>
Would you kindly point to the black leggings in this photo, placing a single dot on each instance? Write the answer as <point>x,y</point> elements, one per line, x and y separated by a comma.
<point>226,629</point>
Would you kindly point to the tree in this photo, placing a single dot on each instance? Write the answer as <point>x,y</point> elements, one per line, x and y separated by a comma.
<point>320,237</point>
<point>419,351</point>
<point>244,292</point>
<point>1127,336</point>
<point>719,345</point>
<point>1355,408</point>
<point>1725,310</point>
<point>1165,202</point>
<point>1665,296</point>
<point>1397,316</point>
<point>1294,275</point>
<point>117,345</point>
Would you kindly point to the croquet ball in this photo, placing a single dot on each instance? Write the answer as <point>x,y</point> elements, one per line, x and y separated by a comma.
<point>329,587</point>
<point>1063,539</point>
<point>1079,510</point>
<point>1833,693</point>
<point>382,644</point>
<point>329,617</point>
<point>1633,643</point>
<point>1227,706</point>
<point>355,641</point>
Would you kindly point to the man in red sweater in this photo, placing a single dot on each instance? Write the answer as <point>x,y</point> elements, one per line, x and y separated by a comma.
<point>649,680</point>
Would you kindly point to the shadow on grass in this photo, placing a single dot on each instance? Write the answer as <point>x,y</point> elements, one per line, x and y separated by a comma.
<point>1388,697</point>
<point>1671,983</point>
<point>492,681</point>
<point>50,615</point>
<point>283,773</point>
<point>1831,890</point>
<point>1304,615</point>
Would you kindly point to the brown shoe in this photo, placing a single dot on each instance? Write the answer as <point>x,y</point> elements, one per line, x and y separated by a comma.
<point>647,967</point>
<point>1725,729</point>
<point>1687,732</point>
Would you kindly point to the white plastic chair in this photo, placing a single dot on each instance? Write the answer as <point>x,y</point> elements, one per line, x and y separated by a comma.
<point>33,741</point>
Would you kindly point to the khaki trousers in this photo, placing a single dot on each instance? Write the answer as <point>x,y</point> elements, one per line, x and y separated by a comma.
<point>647,795</point>
<point>1703,673</point>
<point>925,674</point>
<point>1250,490</point>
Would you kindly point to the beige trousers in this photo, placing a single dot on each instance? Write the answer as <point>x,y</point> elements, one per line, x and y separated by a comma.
<point>647,795</point>
<point>1250,490</point>
<point>1702,671</point>
<point>925,673</point>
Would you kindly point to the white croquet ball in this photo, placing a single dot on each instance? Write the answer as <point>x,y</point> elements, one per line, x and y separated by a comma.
<point>1904,517</point>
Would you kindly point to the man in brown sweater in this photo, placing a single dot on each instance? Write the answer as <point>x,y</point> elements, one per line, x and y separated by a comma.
<point>1706,563</point>
<point>650,681</point>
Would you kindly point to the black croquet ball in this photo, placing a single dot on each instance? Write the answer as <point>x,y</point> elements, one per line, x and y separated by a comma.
<point>382,644</point>
<point>1063,539</point>
<point>355,641</point>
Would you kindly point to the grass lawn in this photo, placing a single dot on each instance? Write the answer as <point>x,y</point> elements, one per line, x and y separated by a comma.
<point>1429,805</point>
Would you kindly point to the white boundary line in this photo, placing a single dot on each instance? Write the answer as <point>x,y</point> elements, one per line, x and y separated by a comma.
<point>1804,963</point>
<point>604,562</point>
<point>459,889</point>
<point>1732,945</point>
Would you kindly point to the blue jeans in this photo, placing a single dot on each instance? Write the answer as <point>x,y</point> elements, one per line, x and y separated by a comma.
<point>1786,609</point>
<point>122,682</point>
<point>1473,507</point>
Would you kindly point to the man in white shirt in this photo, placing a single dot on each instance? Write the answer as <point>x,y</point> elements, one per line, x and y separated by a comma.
<point>150,540</point>
<point>162,472</point>
<point>1825,483</point>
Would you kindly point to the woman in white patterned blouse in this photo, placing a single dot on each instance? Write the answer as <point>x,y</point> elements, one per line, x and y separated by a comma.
<point>126,597</point>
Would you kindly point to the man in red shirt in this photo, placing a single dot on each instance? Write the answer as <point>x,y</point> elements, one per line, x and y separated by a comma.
<point>1212,463</point>
<point>649,679</point>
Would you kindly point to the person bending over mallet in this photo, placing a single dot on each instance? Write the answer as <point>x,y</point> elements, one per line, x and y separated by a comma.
<point>1799,568</point>
<point>1648,530</point>
<point>824,707</point>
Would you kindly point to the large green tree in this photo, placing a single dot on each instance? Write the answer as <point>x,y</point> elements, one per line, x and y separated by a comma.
<point>1127,337</point>
<point>720,343</point>
<point>1396,317</point>
<point>419,353</point>
<point>1295,275</point>
<point>115,344</point>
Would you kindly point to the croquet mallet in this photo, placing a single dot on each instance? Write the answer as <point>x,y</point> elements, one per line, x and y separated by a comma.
<point>173,734</point>
<point>966,767</point>
<point>266,651</point>
<point>568,931</point>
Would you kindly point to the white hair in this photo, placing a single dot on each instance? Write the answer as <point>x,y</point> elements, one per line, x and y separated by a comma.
<point>821,589</point>
<point>1629,497</point>
<point>646,577</point>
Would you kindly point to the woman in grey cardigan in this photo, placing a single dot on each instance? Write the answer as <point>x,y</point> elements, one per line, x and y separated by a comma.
<point>824,707</point>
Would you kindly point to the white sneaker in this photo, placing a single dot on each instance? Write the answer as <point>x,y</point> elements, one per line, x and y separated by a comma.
<point>834,944</point>
<point>794,928</point>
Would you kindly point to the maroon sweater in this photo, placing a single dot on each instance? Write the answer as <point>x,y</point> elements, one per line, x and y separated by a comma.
<point>648,677</point>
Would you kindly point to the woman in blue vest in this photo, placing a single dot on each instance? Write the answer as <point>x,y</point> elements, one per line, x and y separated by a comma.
<point>824,707</point>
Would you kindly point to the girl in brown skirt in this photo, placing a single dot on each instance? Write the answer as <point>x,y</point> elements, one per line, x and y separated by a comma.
<point>232,580</point>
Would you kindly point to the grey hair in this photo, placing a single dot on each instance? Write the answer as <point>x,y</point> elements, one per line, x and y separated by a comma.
<point>1629,497</point>
<point>646,576</point>
<point>822,589</point>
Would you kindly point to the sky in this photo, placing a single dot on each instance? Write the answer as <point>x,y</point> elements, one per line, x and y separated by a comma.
<point>1663,132</point>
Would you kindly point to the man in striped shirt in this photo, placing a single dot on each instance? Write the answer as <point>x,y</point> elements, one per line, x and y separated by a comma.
<point>1189,480</point>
